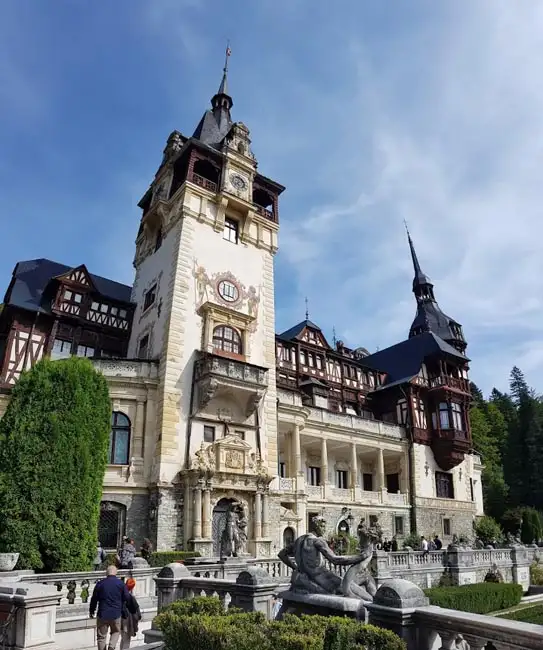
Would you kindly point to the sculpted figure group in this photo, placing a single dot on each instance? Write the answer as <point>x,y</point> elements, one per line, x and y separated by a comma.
<point>307,554</point>
<point>234,536</point>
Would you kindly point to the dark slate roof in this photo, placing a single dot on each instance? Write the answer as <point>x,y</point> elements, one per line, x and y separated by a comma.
<point>403,361</point>
<point>430,317</point>
<point>31,278</point>
<point>295,331</point>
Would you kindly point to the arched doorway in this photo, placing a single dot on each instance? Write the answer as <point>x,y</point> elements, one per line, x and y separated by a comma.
<point>111,525</point>
<point>288,536</point>
<point>219,523</point>
<point>343,527</point>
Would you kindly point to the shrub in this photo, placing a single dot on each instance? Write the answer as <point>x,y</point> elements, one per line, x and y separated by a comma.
<point>202,623</point>
<point>481,598</point>
<point>343,544</point>
<point>488,529</point>
<point>53,451</point>
<point>162,558</point>
<point>412,540</point>
<point>532,526</point>
<point>536,574</point>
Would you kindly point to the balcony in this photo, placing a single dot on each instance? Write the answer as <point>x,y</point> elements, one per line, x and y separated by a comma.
<point>204,182</point>
<point>216,376</point>
<point>453,383</point>
<point>327,418</point>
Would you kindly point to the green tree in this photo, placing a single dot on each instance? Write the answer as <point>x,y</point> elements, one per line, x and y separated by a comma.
<point>488,530</point>
<point>53,452</point>
<point>486,434</point>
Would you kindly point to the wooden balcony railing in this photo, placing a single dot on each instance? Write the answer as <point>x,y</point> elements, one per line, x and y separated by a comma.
<point>455,383</point>
<point>204,182</point>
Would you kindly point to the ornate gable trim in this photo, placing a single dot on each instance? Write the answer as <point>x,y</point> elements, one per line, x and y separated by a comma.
<point>78,276</point>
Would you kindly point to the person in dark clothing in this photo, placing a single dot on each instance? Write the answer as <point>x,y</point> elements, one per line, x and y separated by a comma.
<point>394,544</point>
<point>130,621</point>
<point>110,596</point>
<point>438,543</point>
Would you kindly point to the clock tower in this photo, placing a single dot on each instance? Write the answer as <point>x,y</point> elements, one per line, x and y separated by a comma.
<point>204,290</point>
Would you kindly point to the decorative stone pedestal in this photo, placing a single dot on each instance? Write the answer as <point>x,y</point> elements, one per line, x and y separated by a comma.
<point>203,546</point>
<point>325,605</point>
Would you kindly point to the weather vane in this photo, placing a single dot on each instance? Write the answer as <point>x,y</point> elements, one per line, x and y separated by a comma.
<point>306,308</point>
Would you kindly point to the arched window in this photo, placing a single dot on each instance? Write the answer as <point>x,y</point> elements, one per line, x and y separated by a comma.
<point>226,339</point>
<point>119,439</point>
<point>288,537</point>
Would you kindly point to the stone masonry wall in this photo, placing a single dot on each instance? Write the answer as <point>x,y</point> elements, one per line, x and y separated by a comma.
<point>137,513</point>
<point>430,521</point>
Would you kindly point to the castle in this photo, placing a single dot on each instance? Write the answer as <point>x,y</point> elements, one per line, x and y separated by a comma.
<point>212,408</point>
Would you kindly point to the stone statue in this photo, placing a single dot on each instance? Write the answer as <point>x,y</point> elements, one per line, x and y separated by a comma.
<point>234,535</point>
<point>306,556</point>
<point>358,581</point>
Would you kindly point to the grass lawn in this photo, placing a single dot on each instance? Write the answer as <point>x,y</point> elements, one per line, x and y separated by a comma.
<point>527,614</point>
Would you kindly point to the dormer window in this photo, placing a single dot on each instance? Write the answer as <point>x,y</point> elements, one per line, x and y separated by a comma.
<point>72,296</point>
<point>231,230</point>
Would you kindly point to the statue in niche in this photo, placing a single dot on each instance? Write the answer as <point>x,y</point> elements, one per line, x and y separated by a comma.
<point>307,555</point>
<point>234,536</point>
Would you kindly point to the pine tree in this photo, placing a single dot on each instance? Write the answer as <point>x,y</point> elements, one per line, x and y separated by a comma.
<point>53,452</point>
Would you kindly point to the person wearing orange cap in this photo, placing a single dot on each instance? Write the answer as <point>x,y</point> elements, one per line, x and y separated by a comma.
<point>131,616</point>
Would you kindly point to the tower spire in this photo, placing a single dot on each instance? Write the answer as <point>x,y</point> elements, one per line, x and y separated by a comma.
<point>429,317</point>
<point>306,308</point>
<point>223,88</point>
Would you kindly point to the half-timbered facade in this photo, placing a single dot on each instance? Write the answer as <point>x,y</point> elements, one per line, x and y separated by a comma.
<point>212,408</point>
<point>52,309</point>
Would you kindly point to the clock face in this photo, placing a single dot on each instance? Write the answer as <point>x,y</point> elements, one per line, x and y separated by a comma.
<point>228,291</point>
<point>238,182</point>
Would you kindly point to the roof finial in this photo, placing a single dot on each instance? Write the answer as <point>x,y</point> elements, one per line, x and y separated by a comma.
<point>334,339</point>
<point>223,89</point>
<point>306,308</point>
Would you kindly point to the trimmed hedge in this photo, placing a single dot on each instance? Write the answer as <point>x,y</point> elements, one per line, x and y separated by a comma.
<point>162,558</point>
<point>481,598</point>
<point>53,451</point>
<point>204,624</point>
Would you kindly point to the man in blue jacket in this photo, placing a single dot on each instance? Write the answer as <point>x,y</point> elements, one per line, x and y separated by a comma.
<point>110,595</point>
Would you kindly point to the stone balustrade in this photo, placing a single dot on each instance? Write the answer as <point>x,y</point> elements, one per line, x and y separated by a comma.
<point>400,606</point>
<point>327,418</point>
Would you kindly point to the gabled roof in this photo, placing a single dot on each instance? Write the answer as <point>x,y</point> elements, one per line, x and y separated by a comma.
<point>295,331</point>
<point>31,278</point>
<point>404,360</point>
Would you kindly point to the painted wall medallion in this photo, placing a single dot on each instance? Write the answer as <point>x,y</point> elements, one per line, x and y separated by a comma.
<point>238,182</point>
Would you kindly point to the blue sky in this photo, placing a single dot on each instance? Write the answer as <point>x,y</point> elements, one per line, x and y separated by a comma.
<point>369,112</point>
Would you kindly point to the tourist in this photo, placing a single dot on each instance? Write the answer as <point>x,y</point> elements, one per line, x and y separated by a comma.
<point>276,606</point>
<point>387,545</point>
<point>424,546</point>
<point>146,549</point>
<point>100,557</point>
<point>438,543</point>
<point>131,616</point>
<point>394,545</point>
<point>127,554</point>
<point>109,596</point>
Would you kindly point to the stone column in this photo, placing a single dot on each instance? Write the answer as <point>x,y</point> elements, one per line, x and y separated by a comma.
<point>288,456</point>
<point>324,462</point>
<point>381,484</point>
<point>206,514</point>
<point>354,467</point>
<point>139,429</point>
<point>265,515</point>
<point>197,514</point>
<point>187,514</point>
<point>258,515</point>
<point>297,450</point>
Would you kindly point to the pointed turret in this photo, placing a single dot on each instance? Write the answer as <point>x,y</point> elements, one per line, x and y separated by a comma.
<point>216,123</point>
<point>429,317</point>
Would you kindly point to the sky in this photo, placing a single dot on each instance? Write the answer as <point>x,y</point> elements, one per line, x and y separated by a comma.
<point>370,112</point>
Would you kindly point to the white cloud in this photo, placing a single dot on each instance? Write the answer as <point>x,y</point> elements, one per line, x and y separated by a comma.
<point>434,115</point>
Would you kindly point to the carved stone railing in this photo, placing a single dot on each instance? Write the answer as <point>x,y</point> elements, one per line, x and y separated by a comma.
<point>280,484</point>
<point>396,499</point>
<point>315,492</point>
<point>213,364</point>
<point>340,494</point>
<point>324,417</point>
<point>125,368</point>
<point>289,397</point>
<point>76,588</point>
<point>367,497</point>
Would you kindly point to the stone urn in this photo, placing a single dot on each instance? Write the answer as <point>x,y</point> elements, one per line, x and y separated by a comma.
<point>8,561</point>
